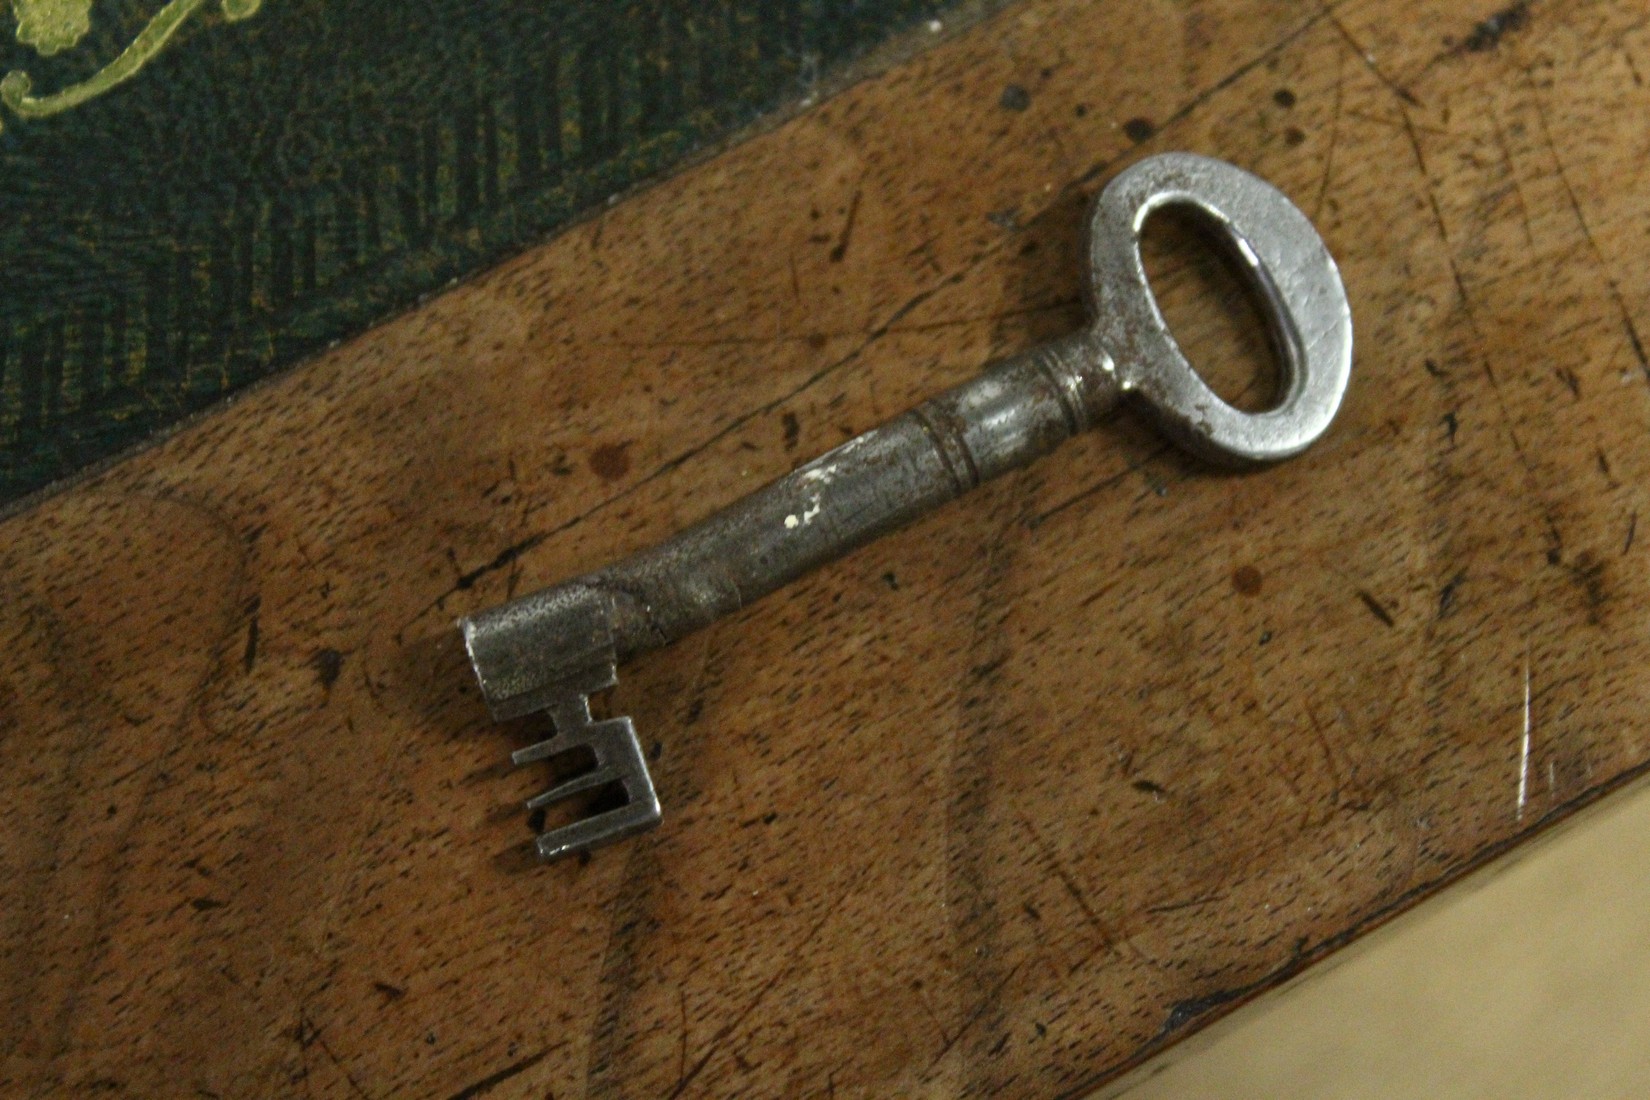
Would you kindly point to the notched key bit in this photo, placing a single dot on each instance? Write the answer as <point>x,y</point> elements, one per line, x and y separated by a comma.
<point>551,650</point>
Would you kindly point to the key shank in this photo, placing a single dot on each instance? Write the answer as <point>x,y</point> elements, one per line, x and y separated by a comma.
<point>1015,411</point>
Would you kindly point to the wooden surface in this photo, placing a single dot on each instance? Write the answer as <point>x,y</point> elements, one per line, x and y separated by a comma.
<point>996,806</point>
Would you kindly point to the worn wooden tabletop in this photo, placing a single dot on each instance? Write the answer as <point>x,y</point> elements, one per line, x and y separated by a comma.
<point>997,806</point>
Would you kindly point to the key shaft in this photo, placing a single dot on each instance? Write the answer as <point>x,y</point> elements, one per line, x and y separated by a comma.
<point>1013,412</point>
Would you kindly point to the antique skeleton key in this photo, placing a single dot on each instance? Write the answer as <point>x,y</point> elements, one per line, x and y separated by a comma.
<point>551,650</point>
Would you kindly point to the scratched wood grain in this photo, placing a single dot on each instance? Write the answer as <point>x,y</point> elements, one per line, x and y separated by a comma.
<point>995,807</point>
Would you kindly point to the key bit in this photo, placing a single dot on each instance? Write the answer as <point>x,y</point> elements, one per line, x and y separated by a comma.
<point>550,651</point>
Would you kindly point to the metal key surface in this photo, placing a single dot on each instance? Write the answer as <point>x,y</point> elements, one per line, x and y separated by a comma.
<point>551,650</point>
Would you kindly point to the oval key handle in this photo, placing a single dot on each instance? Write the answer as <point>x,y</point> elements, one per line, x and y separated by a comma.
<point>1283,258</point>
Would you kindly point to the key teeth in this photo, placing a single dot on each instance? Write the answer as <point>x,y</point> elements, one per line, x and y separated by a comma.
<point>506,647</point>
<point>637,816</point>
<point>619,759</point>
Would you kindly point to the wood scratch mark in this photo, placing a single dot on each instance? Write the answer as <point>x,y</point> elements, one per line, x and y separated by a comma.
<point>1571,382</point>
<point>1471,314</point>
<point>1604,468</point>
<point>250,656</point>
<point>1107,937</point>
<point>1438,217</point>
<point>1376,608</point>
<point>681,1057</point>
<point>1512,173</point>
<point>307,1034</point>
<point>1524,745</point>
<point>1189,903</point>
<point>1628,324</point>
<point>1065,303</point>
<point>1100,486</point>
<point>696,694</point>
<point>796,957</point>
<point>1368,59</point>
<point>986,1004</point>
<point>1328,754</point>
<point>841,248</point>
<point>1334,136</point>
<point>946,1038</point>
<point>493,1080</point>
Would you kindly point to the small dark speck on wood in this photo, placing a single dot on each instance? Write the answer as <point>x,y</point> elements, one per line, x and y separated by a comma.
<point>1488,34</point>
<point>1376,608</point>
<point>1247,580</point>
<point>1014,98</point>
<point>1139,129</point>
<point>1571,382</point>
<point>1005,219</point>
<point>840,249</point>
<point>1446,595</point>
<point>327,663</point>
<point>250,656</point>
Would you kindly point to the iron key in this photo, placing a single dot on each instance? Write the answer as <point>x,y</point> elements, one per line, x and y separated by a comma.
<point>551,650</point>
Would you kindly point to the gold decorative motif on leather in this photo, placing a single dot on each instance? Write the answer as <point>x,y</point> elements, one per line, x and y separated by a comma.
<point>52,26</point>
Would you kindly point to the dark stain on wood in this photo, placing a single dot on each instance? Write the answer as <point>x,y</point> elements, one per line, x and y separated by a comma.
<point>328,665</point>
<point>1139,129</point>
<point>610,461</point>
<point>1487,35</point>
